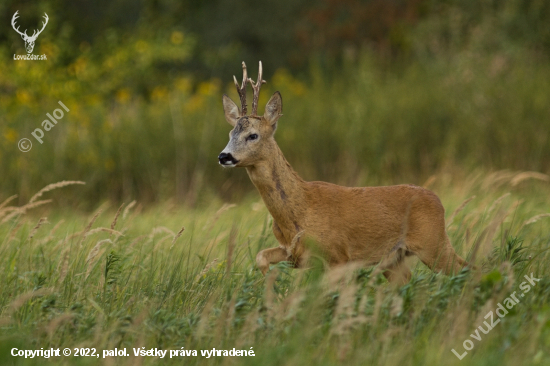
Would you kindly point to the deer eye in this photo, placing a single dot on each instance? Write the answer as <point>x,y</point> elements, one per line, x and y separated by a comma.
<point>251,137</point>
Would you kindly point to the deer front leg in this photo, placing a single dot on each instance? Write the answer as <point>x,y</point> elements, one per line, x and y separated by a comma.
<point>270,256</point>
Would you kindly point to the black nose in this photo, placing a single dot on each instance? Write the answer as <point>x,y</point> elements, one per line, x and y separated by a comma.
<point>226,159</point>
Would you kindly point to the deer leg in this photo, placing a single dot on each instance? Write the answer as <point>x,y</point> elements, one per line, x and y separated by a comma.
<point>443,259</point>
<point>395,269</point>
<point>270,256</point>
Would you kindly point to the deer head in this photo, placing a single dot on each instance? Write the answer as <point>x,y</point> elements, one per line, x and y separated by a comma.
<point>29,40</point>
<point>251,139</point>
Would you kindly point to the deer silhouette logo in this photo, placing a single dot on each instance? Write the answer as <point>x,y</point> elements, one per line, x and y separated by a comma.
<point>29,40</point>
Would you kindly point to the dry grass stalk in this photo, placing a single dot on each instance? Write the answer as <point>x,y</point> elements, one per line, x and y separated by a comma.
<point>14,231</point>
<point>343,319</point>
<point>54,229</point>
<point>22,299</point>
<point>290,306</point>
<point>128,208</point>
<point>269,294</point>
<point>224,320</point>
<point>528,175</point>
<point>377,306</point>
<point>161,229</point>
<point>231,310</point>
<point>95,249</point>
<point>458,321</point>
<point>458,210</point>
<point>496,179</point>
<point>56,323</point>
<point>162,240</point>
<point>206,269</point>
<point>137,240</point>
<point>338,275</point>
<point>103,229</point>
<point>63,266</point>
<point>177,236</point>
<point>113,224</point>
<point>143,314</point>
<point>89,226</point>
<point>215,241</point>
<point>225,207</point>
<point>7,210</point>
<point>534,219</point>
<point>230,249</point>
<point>43,220</point>
<point>486,237</point>
<point>51,187</point>
<point>249,328</point>
<point>90,260</point>
<point>396,306</point>
<point>23,209</point>
<point>428,183</point>
<point>203,325</point>
<point>66,239</point>
<point>497,201</point>
<point>8,200</point>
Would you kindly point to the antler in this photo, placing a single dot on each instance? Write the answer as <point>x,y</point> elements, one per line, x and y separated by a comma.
<point>256,87</point>
<point>24,34</point>
<point>35,34</point>
<point>15,16</point>
<point>242,90</point>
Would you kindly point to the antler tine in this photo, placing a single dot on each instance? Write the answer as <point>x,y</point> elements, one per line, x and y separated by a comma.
<point>13,19</point>
<point>256,87</point>
<point>242,90</point>
<point>43,26</point>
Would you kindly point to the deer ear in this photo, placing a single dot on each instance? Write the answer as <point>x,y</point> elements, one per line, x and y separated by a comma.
<point>274,108</point>
<point>232,112</point>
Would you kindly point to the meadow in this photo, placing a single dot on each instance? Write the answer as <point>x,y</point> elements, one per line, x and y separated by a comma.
<point>178,278</point>
<point>146,243</point>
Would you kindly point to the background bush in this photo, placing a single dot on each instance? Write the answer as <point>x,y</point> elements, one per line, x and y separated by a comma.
<point>374,92</point>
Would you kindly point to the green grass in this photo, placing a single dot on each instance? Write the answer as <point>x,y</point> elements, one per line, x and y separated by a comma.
<point>69,284</point>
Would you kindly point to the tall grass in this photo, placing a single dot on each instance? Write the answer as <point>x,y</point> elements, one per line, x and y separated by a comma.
<point>124,277</point>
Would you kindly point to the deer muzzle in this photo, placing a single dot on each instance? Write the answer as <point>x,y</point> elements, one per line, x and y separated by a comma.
<point>227,160</point>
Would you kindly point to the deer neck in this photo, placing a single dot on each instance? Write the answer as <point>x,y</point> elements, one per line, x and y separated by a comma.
<point>282,190</point>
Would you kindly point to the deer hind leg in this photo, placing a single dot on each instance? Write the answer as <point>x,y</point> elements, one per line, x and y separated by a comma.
<point>270,256</point>
<point>395,269</point>
<point>442,258</point>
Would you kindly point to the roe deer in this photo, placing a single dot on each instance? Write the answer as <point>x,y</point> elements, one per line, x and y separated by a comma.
<point>370,224</point>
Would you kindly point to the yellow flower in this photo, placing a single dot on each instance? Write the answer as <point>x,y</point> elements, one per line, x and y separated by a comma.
<point>282,79</point>
<point>23,96</point>
<point>176,37</point>
<point>209,88</point>
<point>183,84</point>
<point>141,46</point>
<point>10,134</point>
<point>123,95</point>
<point>195,103</point>
<point>159,93</point>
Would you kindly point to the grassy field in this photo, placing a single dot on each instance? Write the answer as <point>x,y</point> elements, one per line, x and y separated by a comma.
<point>132,277</point>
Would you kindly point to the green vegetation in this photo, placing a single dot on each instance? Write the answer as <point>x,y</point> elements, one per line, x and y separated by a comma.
<point>130,278</point>
<point>453,95</point>
<point>442,85</point>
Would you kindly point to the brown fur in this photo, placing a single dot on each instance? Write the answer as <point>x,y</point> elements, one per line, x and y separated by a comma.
<point>368,224</point>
